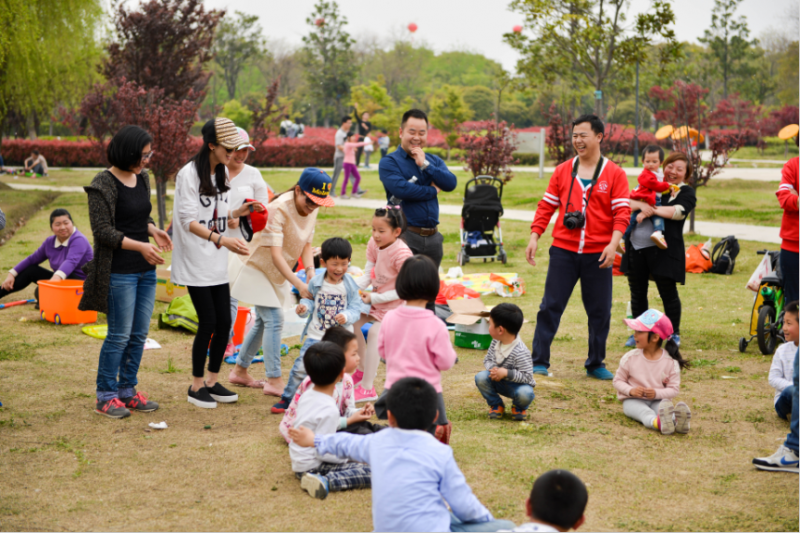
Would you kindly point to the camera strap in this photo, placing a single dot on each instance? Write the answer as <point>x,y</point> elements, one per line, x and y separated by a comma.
<point>594,182</point>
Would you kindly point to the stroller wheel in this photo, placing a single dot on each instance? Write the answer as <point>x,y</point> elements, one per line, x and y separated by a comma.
<point>766,329</point>
<point>743,344</point>
<point>503,258</point>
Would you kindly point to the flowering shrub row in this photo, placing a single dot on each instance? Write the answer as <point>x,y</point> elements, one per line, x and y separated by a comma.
<point>306,152</point>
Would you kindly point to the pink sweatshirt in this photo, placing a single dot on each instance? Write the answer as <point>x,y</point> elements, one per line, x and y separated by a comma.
<point>635,370</point>
<point>350,151</point>
<point>383,275</point>
<point>415,344</point>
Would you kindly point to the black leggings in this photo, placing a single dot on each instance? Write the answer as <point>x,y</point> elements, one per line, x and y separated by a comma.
<point>32,274</point>
<point>639,274</point>
<point>213,306</point>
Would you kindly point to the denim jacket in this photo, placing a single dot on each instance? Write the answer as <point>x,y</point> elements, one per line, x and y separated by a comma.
<point>354,303</point>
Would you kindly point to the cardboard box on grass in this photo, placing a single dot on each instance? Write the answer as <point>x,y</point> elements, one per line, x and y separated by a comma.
<point>471,318</point>
<point>165,290</point>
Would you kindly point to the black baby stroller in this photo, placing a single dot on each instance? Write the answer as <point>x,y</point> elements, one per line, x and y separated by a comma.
<point>481,236</point>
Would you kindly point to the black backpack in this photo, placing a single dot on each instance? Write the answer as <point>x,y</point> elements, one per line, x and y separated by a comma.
<point>723,256</point>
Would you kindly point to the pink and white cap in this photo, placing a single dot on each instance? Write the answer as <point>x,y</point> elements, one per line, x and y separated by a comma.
<point>652,320</point>
<point>245,142</point>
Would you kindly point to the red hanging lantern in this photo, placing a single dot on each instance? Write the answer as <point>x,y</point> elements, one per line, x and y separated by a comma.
<point>517,29</point>
<point>412,27</point>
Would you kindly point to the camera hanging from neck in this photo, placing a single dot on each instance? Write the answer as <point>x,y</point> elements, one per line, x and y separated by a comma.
<point>575,175</point>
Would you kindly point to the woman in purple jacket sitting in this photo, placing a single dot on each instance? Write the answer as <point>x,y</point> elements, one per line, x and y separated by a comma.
<point>68,250</point>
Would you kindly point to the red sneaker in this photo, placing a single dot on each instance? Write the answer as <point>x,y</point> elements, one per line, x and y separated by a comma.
<point>139,403</point>
<point>443,433</point>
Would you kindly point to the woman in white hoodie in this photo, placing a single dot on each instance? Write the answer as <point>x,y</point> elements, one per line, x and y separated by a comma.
<point>200,257</point>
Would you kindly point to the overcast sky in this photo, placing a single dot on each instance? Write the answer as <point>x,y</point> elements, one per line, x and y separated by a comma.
<point>475,25</point>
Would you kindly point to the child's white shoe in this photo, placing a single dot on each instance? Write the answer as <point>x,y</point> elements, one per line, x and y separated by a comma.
<point>658,238</point>
<point>665,421</point>
<point>683,415</point>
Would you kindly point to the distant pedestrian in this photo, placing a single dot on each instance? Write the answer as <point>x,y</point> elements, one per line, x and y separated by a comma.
<point>338,155</point>
<point>383,143</point>
<point>364,129</point>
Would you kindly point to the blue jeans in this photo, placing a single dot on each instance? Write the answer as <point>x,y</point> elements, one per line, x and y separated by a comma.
<point>266,332</point>
<point>520,393</point>
<point>298,372</point>
<point>234,313</point>
<point>492,525</point>
<point>131,298</point>
<point>791,438</point>
<point>784,404</point>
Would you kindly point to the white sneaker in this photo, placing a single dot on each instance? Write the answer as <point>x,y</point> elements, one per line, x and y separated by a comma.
<point>658,238</point>
<point>683,417</point>
<point>784,460</point>
<point>665,417</point>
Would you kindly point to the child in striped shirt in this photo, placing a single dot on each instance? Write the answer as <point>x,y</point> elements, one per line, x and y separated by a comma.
<point>508,363</point>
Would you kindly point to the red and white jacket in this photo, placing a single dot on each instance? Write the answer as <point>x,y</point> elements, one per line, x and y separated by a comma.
<point>609,208</point>
<point>649,185</point>
<point>787,196</point>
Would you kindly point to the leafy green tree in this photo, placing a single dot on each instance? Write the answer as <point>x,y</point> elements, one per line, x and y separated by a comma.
<point>788,76</point>
<point>448,111</point>
<point>239,114</point>
<point>385,113</point>
<point>329,60</point>
<point>48,54</point>
<point>481,100</point>
<point>460,68</point>
<point>583,37</point>
<point>237,42</point>
<point>403,67</point>
<point>728,40</point>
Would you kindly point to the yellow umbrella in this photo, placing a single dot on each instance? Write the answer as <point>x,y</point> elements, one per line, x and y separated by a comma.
<point>685,131</point>
<point>664,132</point>
<point>787,132</point>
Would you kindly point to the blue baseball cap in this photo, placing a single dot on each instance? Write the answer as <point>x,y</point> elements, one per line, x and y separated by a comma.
<point>317,186</point>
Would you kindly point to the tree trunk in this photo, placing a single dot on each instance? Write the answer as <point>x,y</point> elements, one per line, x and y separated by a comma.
<point>161,201</point>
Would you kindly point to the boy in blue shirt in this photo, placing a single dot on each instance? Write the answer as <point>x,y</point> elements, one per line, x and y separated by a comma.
<point>413,474</point>
<point>335,303</point>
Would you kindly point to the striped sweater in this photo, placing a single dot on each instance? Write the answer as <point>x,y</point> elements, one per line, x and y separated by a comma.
<point>519,362</point>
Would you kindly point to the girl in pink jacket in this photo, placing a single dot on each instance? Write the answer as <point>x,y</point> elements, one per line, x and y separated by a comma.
<point>412,340</point>
<point>350,167</point>
<point>650,376</point>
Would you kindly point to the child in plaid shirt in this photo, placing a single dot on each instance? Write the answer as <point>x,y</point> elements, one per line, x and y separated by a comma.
<point>508,363</point>
<point>317,411</point>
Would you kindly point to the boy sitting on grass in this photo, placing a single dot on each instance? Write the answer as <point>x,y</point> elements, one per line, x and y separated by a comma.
<point>320,473</point>
<point>508,363</point>
<point>781,372</point>
<point>557,503</point>
<point>415,476</point>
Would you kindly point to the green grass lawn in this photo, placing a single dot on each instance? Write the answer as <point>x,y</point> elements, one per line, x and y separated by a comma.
<point>66,468</point>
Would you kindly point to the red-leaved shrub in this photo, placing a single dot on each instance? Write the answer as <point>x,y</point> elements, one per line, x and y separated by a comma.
<point>305,152</point>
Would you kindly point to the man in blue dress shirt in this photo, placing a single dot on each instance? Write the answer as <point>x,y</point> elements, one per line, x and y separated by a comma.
<point>414,179</point>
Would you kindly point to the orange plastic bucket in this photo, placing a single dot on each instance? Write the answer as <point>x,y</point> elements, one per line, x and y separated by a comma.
<point>242,316</point>
<point>58,301</point>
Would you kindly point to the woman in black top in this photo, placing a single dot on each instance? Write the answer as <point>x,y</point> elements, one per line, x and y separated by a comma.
<point>643,259</point>
<point>121,280</point>
<point>364,128</point>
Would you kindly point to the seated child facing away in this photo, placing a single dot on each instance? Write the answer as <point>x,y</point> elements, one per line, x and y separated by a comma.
<point>508,363</point>
<point>352,419</point>
<point>415,478</point>
<point>649,376</point>
<point>413,341</point>
<point>335,303</point>
<point>320,473</point>
<point>651,185</point>
<point>557,503</point>
<point>781,373</point>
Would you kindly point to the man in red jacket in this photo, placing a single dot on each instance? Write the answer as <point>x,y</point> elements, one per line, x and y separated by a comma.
<point>787,196</point>
<point>593,199</point>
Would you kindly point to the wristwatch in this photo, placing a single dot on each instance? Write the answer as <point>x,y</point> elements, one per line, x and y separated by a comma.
<point>425,165</point>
